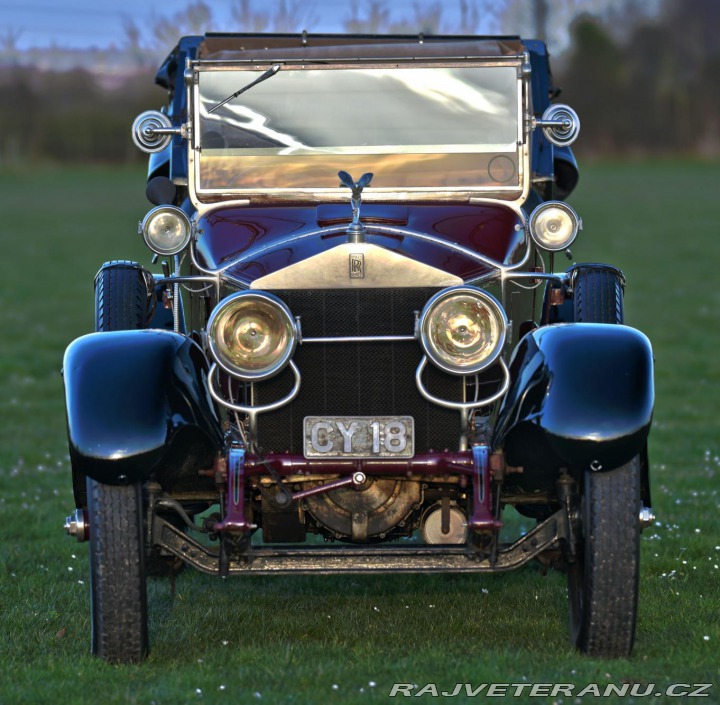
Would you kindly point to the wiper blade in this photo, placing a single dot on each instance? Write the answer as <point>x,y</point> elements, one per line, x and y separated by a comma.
<point>270,72</point>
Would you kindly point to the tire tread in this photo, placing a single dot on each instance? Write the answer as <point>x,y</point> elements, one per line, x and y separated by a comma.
<point>612,561</point>
<point>117,552</point>
<point>121,297</point>
<point>119,629</point>
<point>598,295</point>
<point>605,623</point>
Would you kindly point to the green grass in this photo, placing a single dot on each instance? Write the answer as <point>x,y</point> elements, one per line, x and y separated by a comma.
<point>327,639</point>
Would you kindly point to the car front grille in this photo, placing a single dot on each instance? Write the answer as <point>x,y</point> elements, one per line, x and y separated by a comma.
<point>358,379</point>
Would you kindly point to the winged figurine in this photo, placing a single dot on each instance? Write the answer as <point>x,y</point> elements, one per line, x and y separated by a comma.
<point>357,188</point>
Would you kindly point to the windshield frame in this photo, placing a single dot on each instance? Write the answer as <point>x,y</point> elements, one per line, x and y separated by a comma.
<point>516,192</point>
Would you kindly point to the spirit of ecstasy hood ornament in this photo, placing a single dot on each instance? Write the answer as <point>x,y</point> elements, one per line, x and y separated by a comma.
<point>356,231</point>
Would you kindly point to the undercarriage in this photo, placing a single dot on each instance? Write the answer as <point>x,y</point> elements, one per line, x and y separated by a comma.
<point>386,558</point>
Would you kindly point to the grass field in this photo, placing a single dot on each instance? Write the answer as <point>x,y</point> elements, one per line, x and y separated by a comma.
<point>347,640</point>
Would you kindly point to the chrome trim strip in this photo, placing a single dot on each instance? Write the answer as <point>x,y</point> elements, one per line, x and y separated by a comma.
<point>450,245</point>
<point>199,267</point>
<point>363,339</point>
<point>253,410</point>
<point>550,276</point>
<point>185,279</point>
<point>314,198</point>
<point>176,296</point>
<point>295,63</point>
<point>461,406</point>
<point>374,229</point>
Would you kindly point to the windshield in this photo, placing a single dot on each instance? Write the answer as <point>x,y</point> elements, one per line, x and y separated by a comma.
<point>413,127</point>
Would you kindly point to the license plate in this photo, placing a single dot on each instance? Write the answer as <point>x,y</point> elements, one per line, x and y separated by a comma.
<point>335,437</point>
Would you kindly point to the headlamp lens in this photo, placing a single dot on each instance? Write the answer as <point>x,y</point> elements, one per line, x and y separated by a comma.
<point>252,335</point>
<point>462,330</point>
<point>554,225</point>
<point>166,230</point>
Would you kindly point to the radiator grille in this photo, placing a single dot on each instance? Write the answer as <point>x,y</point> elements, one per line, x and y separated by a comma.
<point>358,379</point>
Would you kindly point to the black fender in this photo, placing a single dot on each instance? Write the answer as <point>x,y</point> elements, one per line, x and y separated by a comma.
<point>138,406</point>
<point>581,396</point>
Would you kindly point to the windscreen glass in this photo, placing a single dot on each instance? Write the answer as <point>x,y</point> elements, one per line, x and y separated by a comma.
<point>414,128</point>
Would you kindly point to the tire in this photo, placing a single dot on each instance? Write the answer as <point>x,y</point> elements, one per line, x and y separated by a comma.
<point>122,297</point>
<point>118,592</point>
<point>603,581</point>
<point>123,301</point>
<point>118,586</point>
<point>598,292</point>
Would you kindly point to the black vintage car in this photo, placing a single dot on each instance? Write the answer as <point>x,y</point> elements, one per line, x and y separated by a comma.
<point>363,329</point>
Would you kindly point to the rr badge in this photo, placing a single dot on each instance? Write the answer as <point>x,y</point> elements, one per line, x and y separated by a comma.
<point>357,266</point>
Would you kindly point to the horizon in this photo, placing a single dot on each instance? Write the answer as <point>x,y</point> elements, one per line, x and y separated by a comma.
<point>89,24</point>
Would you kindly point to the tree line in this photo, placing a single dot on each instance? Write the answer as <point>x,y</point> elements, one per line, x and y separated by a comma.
<point>653,88</point>
<point>642,82</point>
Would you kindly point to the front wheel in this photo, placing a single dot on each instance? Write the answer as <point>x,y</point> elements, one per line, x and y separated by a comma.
<point>598,294</point>
<point>603,581</point>
<point>118,593</point>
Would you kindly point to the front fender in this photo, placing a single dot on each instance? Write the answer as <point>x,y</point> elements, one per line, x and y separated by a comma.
<point>134,399</point>
<point>581,396</point>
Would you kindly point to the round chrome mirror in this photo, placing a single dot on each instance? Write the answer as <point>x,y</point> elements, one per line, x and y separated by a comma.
<point>560,125</point>
<point>152,131</point>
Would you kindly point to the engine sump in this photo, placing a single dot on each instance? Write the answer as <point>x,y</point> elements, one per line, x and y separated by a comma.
<point>370,512</point>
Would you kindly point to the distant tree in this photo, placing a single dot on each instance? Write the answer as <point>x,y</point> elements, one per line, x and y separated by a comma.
<point>196,18</point>
<point>131,33</point>
<point>622,18</point>
<point>651,87</point>
<point>377,18</point>
<point>469,17</point>
<point>8,40</point>
<point>290,16</point>
<point>426,19</point>
<point>550,20</point>
<point>540,19</point>
<point>20,113</point>
<point>695,24</point>
<point>658,102</point>
<point>594,84</point>
<point>132,43</point>
<point>674,63</point>
<point>248,18</point>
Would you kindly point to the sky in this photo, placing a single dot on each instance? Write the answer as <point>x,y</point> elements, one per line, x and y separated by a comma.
<point>99,23</point>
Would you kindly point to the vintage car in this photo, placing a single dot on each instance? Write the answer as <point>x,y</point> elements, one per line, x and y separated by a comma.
<point>366,338</point>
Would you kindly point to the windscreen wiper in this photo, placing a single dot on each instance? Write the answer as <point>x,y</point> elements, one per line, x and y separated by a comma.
<point>270,72</point>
